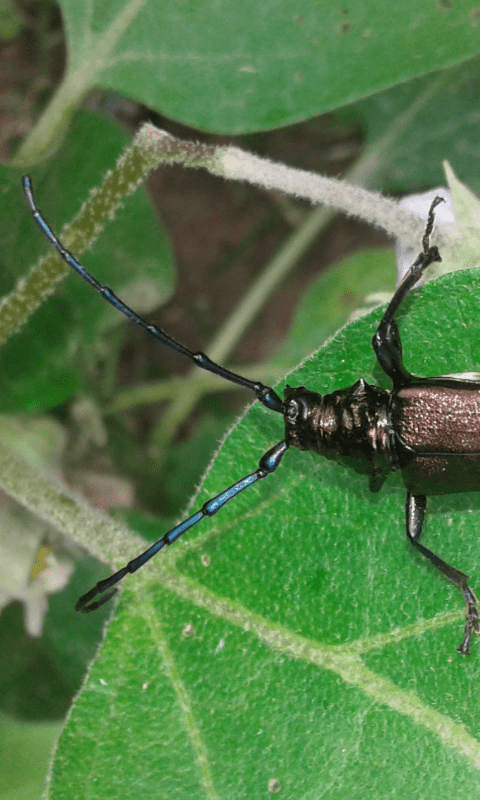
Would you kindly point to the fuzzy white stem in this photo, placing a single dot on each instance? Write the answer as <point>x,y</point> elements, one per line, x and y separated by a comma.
<point>236,164</point>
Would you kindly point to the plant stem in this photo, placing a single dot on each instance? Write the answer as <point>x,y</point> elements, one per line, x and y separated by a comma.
<point>41,280</point>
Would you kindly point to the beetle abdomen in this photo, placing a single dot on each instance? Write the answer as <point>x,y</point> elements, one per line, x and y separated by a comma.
<point>437,430</point>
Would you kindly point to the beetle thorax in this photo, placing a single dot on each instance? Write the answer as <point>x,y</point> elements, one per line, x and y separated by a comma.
<point>350,425</point>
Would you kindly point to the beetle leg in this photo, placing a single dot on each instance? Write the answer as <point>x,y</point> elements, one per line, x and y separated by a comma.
<point>386,341</point>
<point>388,349</point>
<point>414,517</point>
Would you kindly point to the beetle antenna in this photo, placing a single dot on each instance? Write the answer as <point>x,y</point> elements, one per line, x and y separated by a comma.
<point>265,394</point>
<point>267,465</point>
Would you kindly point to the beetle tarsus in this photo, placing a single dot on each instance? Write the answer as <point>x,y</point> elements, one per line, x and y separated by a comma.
<point>430,223</point>
<point>472,623</point>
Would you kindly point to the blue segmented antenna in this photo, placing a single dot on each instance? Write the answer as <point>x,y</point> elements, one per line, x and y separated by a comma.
<point>268,464</point>
<point>265,394</point>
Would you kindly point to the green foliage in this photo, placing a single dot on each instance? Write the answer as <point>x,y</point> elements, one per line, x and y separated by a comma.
<point>294,634</point>
<point>10,21</point>
<point>332,297</point>
<point>294,638</point>
<point>37,367</point>
<point>431,118</point>
<point>26,750</point>
<point>236,68</point>
<point>265,65</point>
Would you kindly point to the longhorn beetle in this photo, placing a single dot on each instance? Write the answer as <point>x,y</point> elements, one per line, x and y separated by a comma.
<point>429,428</point>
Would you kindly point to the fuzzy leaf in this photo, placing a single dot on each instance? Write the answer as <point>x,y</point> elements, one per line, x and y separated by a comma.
<point>225,66</point>
<point>295,640</point>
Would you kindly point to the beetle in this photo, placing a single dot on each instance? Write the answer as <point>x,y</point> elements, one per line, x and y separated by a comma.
<point>426,427</point>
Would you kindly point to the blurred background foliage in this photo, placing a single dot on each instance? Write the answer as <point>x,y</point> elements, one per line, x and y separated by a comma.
<point>382,93</point>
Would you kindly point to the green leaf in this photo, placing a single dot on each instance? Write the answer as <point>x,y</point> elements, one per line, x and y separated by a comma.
<point>230,68</point>
<point>41,366</point>
<point>333,296</point>
<point>25,749</point>
<point>426,120</point>
<point>241,67</point>
<point>295,637</point>
<point>11,21</point>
